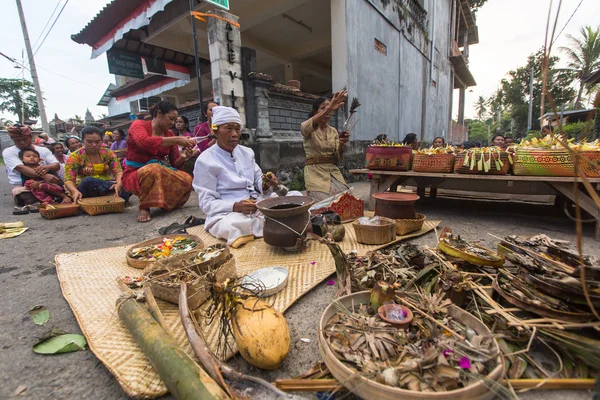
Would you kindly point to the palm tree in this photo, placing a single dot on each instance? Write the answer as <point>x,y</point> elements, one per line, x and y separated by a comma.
<point>481,107</point>
<point>584,56</point>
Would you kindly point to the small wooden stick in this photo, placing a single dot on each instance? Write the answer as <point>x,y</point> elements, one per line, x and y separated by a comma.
<point>435,321</point>
<point>155,310</point>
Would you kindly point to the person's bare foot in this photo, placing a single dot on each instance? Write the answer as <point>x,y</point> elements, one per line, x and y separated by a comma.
<point>144,215</point>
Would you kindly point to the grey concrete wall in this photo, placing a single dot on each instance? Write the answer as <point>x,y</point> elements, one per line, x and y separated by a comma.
<point>391,87</point>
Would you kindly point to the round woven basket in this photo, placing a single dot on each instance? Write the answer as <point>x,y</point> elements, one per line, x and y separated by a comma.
<point>198,288</point>
<point>54,211</point>
<point>141,264</point>
<point>102,205</point>
<point>589,163</point>
<point>544,163</point>
<point>440,163</point>
<point>370,389</point>
<point>459,168</point>
<point>375,234</point>
<point>404,226</point>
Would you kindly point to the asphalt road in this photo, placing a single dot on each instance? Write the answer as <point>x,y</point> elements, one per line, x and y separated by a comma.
<point>28,278</point>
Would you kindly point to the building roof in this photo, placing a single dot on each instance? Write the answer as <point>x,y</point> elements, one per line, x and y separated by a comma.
<point>106,96</point>
<point>572,113</point>
<point>105,20</point>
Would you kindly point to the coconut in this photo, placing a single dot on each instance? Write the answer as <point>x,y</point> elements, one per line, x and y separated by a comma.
<point>261,334</point>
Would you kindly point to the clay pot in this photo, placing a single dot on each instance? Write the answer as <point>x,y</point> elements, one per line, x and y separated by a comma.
<point>384,309</point>
<point>396,205</point>
<point>286,220</point>
<point>294,83</point>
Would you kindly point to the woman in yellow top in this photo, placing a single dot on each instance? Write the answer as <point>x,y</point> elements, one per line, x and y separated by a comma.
<point>93,170</point>
<point>324,149</point>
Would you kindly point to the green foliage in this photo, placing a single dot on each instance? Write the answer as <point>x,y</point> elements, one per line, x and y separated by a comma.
<point>533,134</point>
<point>478,131</point>
<point>583,56</point>
<point>298,182</point>
<point>514,92</point>
<point>578,130</point>
<point>481,107</point>
<point>17,96</point>
<point>477,4</point>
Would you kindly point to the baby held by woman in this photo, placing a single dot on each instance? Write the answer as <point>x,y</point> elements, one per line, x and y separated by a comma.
<point>46,188</point>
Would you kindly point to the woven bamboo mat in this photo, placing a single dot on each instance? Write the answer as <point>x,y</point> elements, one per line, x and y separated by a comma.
<point>88,283</point>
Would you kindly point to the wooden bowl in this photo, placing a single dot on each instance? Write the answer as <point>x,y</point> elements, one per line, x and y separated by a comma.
<point>370,389</point>
<point>102,205</point>
<point>141,264</point>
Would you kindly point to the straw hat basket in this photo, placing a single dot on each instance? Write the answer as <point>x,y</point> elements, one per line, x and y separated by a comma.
<point>375,234</point>
<point>440,163</point>
<point>370,389</point>
<point>102,205</point>
<point>141,264</point>
<point>589,163</point>
<point>54,211</point>
<point>544,163</point>
<point>198,288</point>
<point>404,226</point>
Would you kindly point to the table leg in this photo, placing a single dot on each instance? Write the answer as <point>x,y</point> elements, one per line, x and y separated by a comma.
<point>585,202</point>
<point>421,192</point>
<point>375,181</point>
<point>433,193</point>
<point>394,187</point>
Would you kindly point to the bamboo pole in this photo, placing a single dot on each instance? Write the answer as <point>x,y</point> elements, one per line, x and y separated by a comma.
<point>182,376</point>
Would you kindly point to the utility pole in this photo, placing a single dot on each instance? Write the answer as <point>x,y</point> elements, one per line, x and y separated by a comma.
<point>34,76</point>
<point>530,116</point>
<point>196,61</point>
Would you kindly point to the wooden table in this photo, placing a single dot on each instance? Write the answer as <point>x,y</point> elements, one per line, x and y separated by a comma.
<point>532,185</point>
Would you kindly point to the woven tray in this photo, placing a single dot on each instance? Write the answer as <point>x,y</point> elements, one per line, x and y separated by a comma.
<point>389,158</point>
<point>404,226</point>
<point>54,211</point>
<point>459,168</point>
<point>543,163</point>
<point>589,163</point>
<point>375,234</point>
<point>440,163</point>
<point>102,205</point>
<point>141,264</point>
<point>198,289</point>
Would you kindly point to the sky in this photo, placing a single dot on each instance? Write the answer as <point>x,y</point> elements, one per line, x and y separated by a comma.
<point>509,30</point>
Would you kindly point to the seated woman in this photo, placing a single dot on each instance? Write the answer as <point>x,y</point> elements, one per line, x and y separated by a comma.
<point>324,149</point>
<point>73,143</point>
<point>45,192</point>
<point>146,175</point>
<point>88,170</point>
<point>120,140</point>
<point>229,183</point>
<point>59,152</point>
<point>411,140</point>
<point>438,142</point>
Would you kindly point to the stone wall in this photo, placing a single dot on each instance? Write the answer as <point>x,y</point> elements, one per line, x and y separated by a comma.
<point>287,112</point>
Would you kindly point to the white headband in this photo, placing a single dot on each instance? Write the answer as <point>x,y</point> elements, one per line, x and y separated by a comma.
<point>225,115</point>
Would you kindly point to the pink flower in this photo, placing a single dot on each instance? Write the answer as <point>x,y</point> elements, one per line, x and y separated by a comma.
<point>331,282</point>
<point>404,313</point>
<point>313,262</point>
<point>464,363</point>
<point>446,352</point>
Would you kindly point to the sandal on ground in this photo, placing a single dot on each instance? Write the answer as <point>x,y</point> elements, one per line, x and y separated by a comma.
<point>177,228</point>
<point>20,210</point>
<point>148,218</point>
<point>34,208</point>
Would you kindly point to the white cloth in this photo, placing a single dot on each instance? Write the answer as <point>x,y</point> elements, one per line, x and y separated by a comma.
<point>11,160</point>
<point>222,179</point>
<point>225,115</point>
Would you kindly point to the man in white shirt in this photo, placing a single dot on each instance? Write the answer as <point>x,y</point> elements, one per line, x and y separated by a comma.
<point>229,183</point>
<point>21,136</point>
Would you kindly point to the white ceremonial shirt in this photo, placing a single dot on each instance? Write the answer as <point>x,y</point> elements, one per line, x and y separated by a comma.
<point>11,160</point>
<point>222,179</point>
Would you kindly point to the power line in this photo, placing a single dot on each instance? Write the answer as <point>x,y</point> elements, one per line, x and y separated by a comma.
<point>567,23</point>
<point>52,26</point>
<point>47,22</point>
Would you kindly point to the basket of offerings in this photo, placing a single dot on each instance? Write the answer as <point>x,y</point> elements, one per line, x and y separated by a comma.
<point>376,230</point>
<point>404,226</point>
<point>54,211</point>
<point>589,158</point>
<point>197,268</point>
<point>484,160</point>
<point>440,159</point>
<point>544,157</point>
<point>102,205</point>
<point>145,253</point>
<point>380,361</point>
<point>392,157</point>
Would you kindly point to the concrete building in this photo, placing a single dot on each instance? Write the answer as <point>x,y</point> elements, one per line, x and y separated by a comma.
<point>401,58</point>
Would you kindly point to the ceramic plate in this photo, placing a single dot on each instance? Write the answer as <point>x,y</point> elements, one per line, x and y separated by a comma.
<point>274,279</point>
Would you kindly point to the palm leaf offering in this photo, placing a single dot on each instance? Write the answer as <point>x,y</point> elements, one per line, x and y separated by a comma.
<point>482,157</point>
<point>168,247</point>
<point>455,246</point>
